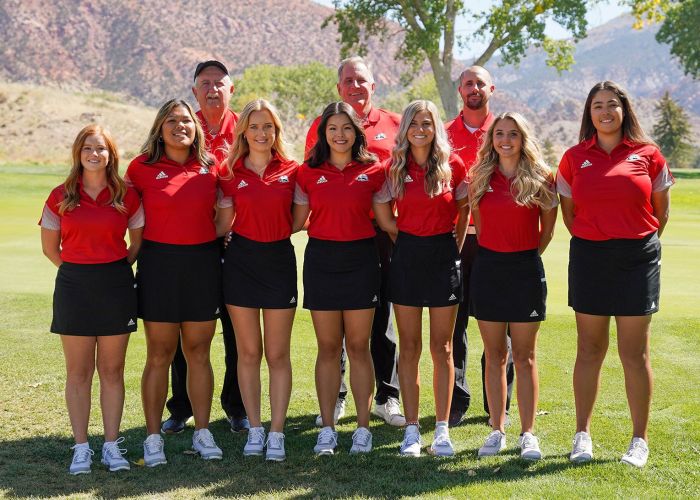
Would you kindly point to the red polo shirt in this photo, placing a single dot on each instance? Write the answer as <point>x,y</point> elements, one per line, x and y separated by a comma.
<point>418,213</point>
<point>218,144</point>
<point>262,204</point>
<point>340,200</point>
<point>505,225</point>
<point>612,192</point>
<point>464,143</point>
<point>380,127</point>
<point>93,232</point>
<point>178,200</point>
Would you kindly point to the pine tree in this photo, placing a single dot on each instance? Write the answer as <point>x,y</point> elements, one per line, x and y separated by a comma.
<point>672,133</point>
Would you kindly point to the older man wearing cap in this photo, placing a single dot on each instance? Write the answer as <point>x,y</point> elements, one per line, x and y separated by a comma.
<point>212,89</point>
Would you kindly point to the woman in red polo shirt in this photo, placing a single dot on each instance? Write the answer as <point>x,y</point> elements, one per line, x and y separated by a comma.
<point>337,185</point>
<point>428,185</point>
<point>179,269</point>
<point>94,305</point>
<point>260,266</point>
<point>511,193</point>
<point>614,192</point>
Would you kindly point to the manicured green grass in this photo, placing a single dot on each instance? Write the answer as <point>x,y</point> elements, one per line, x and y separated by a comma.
<point>35,432</point>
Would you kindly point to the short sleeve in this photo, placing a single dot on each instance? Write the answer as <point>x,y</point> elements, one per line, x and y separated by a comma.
<point>138,219</point>
<point>300,197</point>
<point>462,190</point>
<point>564,177</point>
<point>384,195</point>
<point>660,174</point>
<point>224,201</point>
<point>49,220</point>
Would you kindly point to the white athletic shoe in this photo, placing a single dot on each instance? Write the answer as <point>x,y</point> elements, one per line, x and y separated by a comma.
<point>442,446</point>
<point>637,454</point>
<point>275,447</point>
<point>495,442</point>
<point>256,442</point>
<point>154,451</point>
<point>582,450</point>
<point>82,459</point>
<point>411,445</point>
<point>112,456</point>
<point>529,446</point>
<point>327,441</point>
<point>361,441</point>
<point>204,444</point>
<point>338,413</point>
<point>390,412</point>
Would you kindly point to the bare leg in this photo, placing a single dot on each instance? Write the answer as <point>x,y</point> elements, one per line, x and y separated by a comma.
<point>633,334</point>
<point>161,342</point>
<point>524,343</point>
<point>329,338</point>
<point>358,328</point>
<point>592,345</point>
<point>410,325</point>
<point>196,344</point>
<point>79,353</point>
<point>246,325</point>
<point>278,334</point>
<point>111,354</point>
<point>442,324</point>
<point>493,335</point>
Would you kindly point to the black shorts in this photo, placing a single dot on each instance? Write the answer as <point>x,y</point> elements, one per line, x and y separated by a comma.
<point>615,277</point>
<point>179,282</point>
<point>426,271</point>
<point>94,299</point>
<point>508,286</point>
<point>260,274</point>
<point>341,275</point>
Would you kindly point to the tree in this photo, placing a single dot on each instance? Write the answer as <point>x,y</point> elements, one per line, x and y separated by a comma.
<point>679,29</point>
<point>673,133</point>
<point>428,30</point>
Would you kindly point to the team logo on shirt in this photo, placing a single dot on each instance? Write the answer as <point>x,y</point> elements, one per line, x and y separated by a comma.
<point>585,164</point>
<point>362,178</point>
<point>633,157</point>
<point>408,178</point>
<point>161,175</point>
<point>284,179</point>
<point>380,136</point>
<point>321,180</point>
<point>203,170</point>
<point>242,184</point>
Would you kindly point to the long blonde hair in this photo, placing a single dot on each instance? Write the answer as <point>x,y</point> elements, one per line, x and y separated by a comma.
<point>115,184</point>
<point>154,147</point>
<point>240,148</point>
<point>438,172</point>
<point>532,184</point>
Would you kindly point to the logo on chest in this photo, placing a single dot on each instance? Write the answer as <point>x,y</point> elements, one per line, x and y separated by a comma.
<point>161,175</point>
<point>283,179</point>
<point>241,185</point>
<point>489,190</point>
<point>380,136</point>
<point>585,164</point>
<point>203,170</point>
<point>362,178</point>
<point>408,178</point>
<point>634,158</point>
<point>321,180</point>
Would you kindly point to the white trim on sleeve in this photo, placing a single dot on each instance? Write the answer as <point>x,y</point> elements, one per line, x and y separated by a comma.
<point>50,220</point>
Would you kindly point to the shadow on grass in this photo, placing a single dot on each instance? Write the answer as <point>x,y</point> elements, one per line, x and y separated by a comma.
<point>38,467</point>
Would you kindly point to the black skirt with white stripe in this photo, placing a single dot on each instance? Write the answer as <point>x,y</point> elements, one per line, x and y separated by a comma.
<point>508,286</point>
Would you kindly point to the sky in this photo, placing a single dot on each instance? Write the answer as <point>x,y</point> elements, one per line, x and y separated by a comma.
<point>599,14</point>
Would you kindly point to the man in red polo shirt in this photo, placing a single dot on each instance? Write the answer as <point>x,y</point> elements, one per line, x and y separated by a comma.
<point>212,89</point>
<point>356,87</point>
<point>465,132</point>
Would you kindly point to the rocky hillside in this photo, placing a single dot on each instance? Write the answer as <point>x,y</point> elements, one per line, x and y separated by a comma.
<point>149,49</point>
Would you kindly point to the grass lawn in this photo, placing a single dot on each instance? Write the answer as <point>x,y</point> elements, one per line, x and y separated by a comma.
<point>35,432</point>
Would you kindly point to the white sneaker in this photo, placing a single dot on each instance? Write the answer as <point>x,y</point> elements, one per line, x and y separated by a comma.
<point>326,442</point>
<point>204,444</point>
<point>153,451</point>
<point>495,442</point>
<point>361,441</point>
<point>256,442</point>
<point>411,445</point>
<point>441,446</point>
<point>582,450</point>
<point>390,412</point>
<point>112,456</point>
<point>275,447</point>
<point>529,446</point>
<point>82,459</point>
<point>637,454</point>
<point>338,413</point>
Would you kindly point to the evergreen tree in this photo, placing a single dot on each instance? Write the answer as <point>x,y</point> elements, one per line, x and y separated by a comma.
<point>672,133</point>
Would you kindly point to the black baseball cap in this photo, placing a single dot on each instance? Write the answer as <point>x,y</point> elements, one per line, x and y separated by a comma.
<point>206,64</point>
